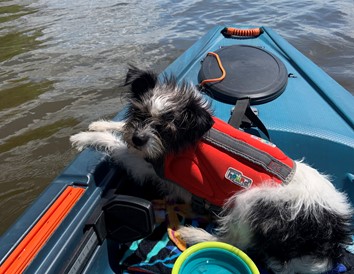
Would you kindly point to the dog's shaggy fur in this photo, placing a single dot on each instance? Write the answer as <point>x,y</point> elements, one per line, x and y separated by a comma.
<point>299,227</point>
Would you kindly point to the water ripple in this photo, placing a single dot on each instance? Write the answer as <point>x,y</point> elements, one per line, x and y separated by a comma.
<point>62,64</point>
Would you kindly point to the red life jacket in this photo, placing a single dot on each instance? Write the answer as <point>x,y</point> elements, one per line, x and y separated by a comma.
<point>225,161</point>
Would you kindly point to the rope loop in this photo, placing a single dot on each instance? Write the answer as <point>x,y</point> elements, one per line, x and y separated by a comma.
<point>219,79</point>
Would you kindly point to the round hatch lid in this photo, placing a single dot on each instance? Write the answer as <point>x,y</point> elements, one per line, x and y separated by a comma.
<point>251,72</point>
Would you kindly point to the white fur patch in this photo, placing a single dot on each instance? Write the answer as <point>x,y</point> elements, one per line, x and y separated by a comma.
<point>103,125</point>
<point>105,141</point>
<point>159,104</point>
<point>310,189</point>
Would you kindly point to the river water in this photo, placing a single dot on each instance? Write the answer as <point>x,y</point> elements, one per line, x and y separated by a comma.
<point>62,64</point>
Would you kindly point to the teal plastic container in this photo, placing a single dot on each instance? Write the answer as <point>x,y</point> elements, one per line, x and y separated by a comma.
<point>212,258</point>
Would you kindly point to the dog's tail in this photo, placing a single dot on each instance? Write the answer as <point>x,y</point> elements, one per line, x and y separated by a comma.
<point>193,235</point>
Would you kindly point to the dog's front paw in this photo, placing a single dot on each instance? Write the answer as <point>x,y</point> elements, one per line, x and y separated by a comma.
<point>103,125</point>
<point>103,141</point>
<point>80,140</point>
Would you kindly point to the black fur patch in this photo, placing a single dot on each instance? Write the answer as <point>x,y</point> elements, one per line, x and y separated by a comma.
<point>141,81</point>
<point>279,237</point>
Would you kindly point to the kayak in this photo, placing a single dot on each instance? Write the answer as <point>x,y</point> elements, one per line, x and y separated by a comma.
<point>87,218</point>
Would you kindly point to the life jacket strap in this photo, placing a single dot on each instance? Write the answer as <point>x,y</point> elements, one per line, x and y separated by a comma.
<point>201,206</point>
<point>250,153</point>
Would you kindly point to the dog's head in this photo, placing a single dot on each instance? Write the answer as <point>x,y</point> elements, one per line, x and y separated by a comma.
<point>164,117</point>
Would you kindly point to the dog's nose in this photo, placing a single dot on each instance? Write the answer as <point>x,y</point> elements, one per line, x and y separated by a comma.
<point>140,139</point>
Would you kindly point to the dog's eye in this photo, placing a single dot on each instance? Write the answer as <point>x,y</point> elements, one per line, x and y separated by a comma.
<point>159,128</point>
<point>165,128</point>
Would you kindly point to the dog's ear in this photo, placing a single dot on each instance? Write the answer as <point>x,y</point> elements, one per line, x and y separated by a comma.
<point>200,116</point>
<point>141,81</point>
<point>204,121</point>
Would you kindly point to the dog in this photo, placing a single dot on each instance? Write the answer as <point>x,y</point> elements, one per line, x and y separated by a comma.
<point>299,227</point>
<point>161,118</point>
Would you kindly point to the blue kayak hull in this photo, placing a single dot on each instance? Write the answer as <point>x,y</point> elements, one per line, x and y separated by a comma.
<point>313,119</point>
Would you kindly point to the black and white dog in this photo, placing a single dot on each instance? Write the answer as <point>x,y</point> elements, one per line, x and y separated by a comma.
<point>299,227</point>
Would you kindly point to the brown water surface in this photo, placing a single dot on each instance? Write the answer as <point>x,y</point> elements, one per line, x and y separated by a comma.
<point>62,63</point>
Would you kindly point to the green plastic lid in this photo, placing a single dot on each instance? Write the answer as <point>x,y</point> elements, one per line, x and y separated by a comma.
<point>214,257</point>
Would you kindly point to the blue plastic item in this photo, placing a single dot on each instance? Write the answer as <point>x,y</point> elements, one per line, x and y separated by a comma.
<point>214,257</point>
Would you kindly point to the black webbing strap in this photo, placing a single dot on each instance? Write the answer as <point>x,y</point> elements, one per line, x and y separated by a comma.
<point>239,112</point>
<point>200,206</point>
<point>250,153</point>
<point>242,108</point>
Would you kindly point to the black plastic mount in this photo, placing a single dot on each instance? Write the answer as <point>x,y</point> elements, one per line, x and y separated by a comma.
<point>120,218</point>
<point>128,218</point>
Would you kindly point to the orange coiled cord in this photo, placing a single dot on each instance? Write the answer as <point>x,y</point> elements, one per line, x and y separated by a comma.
<point>222,77</point>
<point>242,32</point>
